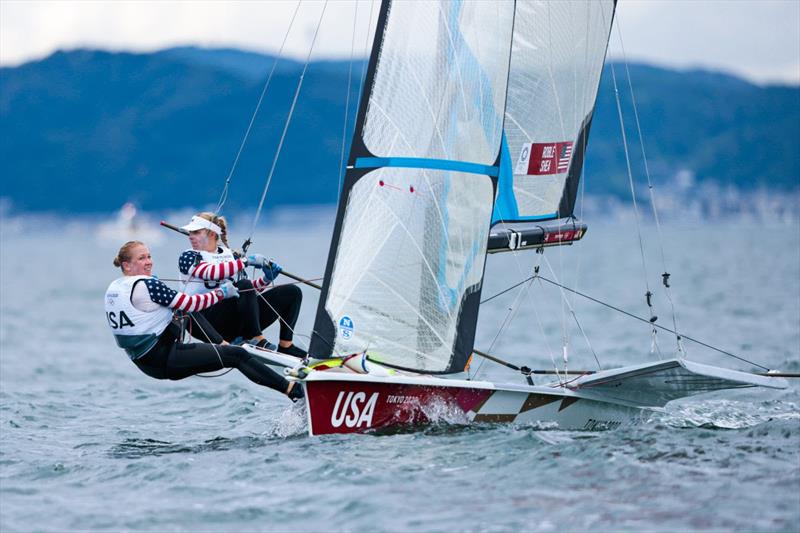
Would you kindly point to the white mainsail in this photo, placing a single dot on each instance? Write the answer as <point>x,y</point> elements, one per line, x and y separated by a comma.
<point>406,263</point>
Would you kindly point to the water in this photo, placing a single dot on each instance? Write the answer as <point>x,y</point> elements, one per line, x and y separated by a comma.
<point>88,442</point>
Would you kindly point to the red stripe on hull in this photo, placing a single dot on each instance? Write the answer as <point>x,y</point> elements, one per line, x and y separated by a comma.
<point>356,407</point>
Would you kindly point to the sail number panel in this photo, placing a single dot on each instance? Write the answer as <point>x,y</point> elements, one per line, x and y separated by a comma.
<point>537,159</point>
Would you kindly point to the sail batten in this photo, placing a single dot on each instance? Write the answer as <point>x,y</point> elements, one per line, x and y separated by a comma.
<point>426,163</point>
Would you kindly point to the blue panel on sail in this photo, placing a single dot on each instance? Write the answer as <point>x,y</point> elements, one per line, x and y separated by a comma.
<point>421,162</point>
<point>505,207</point>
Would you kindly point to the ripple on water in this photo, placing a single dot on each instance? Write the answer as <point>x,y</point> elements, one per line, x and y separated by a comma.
<point>87,442</point>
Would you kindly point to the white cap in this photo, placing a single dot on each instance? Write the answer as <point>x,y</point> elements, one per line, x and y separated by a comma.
<point>201,223</point>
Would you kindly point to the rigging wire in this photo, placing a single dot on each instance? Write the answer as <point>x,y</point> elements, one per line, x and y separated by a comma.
<point>224,196</point>
<point>260,294</point>
<point>564,326</point>
<point>341,168</point>
<point>510,316</point>
<point>514,253</point>
<point>367,47</point>
<point>654,325</point>
<point>665,275</point>
<point>286,125</point>
<point>649,293</point>
<point>583,139</point>
<point>216,350</point>
<point>547,343</point>
<point>626,313</point>
<point>575,317</point>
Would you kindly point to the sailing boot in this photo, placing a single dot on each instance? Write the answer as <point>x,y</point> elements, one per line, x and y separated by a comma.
<point>293,351</point>
<point>263,343</point>
<point>296,393</point>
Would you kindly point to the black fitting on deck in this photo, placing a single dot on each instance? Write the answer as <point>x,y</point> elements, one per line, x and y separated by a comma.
<point>653,317</point>
<point>527,373</point>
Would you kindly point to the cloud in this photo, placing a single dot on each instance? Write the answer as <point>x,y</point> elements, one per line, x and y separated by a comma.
<point>33,29</point>
<point>756,39</point>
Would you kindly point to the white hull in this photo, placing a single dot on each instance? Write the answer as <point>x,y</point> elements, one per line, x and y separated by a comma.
<point>341,400</point>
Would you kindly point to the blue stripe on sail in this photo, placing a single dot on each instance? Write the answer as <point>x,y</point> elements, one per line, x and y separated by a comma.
<point>421,162</point>
<point>505,207</point>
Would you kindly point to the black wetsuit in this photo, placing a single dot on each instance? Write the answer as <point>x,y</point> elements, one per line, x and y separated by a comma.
<point>170,359</point>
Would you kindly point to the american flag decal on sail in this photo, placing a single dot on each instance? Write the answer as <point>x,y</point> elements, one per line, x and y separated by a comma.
<point>537,159</point>
<point>564,156</point>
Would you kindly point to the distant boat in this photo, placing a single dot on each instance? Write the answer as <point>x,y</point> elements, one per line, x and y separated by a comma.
<point>469,140</point>
<point>129,225</point>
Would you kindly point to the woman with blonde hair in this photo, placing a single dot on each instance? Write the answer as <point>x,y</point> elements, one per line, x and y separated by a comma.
<point>210,262</point>
<point>139,311</point>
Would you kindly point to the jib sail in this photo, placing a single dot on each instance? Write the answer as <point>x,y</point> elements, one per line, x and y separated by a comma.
<point>556,61</point>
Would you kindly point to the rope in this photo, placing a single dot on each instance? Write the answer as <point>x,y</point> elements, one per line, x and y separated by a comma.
<point>665,275</point>
<point>224,196</point>
<point>547,343</point>
<point>648,322</point>
<point>512,313</point>
<point>649,293</point>
<point>583,295</point>
<point>489,299</point>
<point>575,317</point>
<point>286,125</point>
<point>260,294</point>
<point>347,106</point>
<point>216,351</point>
<point>298,282</point>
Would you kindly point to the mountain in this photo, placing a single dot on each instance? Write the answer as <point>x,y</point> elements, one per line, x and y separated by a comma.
<point>719,128</point>
<point>87,130</point>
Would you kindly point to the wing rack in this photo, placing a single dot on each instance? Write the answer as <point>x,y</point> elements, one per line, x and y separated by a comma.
<point>509,236</point>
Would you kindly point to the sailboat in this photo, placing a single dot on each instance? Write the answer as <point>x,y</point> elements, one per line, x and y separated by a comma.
<point>128,225</point>
<point>470,139</point>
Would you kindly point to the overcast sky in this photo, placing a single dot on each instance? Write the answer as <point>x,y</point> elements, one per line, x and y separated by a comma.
<point>759,40</point>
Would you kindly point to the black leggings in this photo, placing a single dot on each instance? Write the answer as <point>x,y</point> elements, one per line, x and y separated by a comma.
<point>249,314</point>
<point>170,359</point>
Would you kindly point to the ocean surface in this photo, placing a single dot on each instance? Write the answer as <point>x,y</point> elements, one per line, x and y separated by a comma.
<point>88,442</point>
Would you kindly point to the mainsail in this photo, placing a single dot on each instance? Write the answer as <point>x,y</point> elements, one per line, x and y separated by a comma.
<point>407,257</point>
<point>556,61</point>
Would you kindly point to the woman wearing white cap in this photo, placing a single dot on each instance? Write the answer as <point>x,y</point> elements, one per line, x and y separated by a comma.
<point>211,262</point>
<point>139,309</point>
